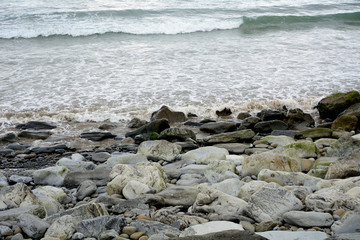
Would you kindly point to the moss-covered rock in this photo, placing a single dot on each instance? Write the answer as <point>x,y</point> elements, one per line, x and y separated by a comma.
<point>331,106</point>
<point>300,149</point>
<point>353,110</point>
<point>175,133</point>
<point>315,133</point>
<point>279,140</point>
<point>324,162</point>
<point>346,123</point>
<point>320,172</point>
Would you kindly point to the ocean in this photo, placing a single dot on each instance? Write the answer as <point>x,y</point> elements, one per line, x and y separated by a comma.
<point>112,60</point>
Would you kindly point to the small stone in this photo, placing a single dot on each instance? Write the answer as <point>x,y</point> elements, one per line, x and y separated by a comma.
<point>142,217</point>
<point>129,230</point>
<point>136,235</point>
<point>144,238</point>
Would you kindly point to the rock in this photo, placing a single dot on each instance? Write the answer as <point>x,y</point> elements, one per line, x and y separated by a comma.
<point>94,227</point>
<point>191,179</point>
<point>150,174</point>
<point>219,170</point>
<point>3,180</point>
<point>74,165</point>
<point>20,179</point>
<point>301,192</point>
<point>51,149</point>
<point>50,204</point>
<point>269,126</point>
<point>100,176</point>
<point>33,226</point>
<point>100,157</point>
<point>278,140</point>
<point>132,204</point>
<point>53,176</point>
<point>331,106</point>
<point>178,134</point>
<point>343,147</point>
<point>270,202</point>
<point>211,227</point>
<point>205,155</point>
<point>35,125</point>
<point>353,110</point>
<point>147,130</point>
<point>86,188</point>
<point>325,142</point>
<point>171,116</point>
<point>345,123</point>
<point>136,123</point>
<point>210,200</point>
<point>150,228</point>
<point>230,137</point>
<point>8,137</point>
<point>97,136</point>
<point>297,119</point>
<point>133,189</point>
<point>249,188</point>
<point>35,134</point>
<point>235,148</point>
<point>253,164</point>
<point>62,228</point>
<point>223,235</point>
<point>229,186</point>
<point>224,112</point>
<point>5,231</point>
<point>299,149</point>
<point>288,178</point>
<point>289,235</point>
<point>109,235</point>
<point>14,213</point>
<point>268,114</point>
<point>17,195</point>
<point>356,137</point>
<point>188,145</point>
<point>160,149</point>
<point>7,152</point>
<point>349,223</point>
<point>129,230</point>
<point>315,133</point>
<point>249,122</point>
<point>354,192</point>
<point>308,219</point>
<point>347,167</point>
<point>289,133</point>
<point>126,158</point>
<point>218,127</point>
<point>179,195</point>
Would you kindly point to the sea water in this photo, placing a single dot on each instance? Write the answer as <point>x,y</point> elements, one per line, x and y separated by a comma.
<point>111,60</point>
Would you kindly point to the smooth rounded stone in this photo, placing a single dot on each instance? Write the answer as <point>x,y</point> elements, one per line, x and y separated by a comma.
<point>7,152</point>
<point>35,134</point>
<point>100,157</point>
<point>167,113</point>
<point>345,123</point>
<point>100,176</point>
<point>85,189</point>
<point>211,227</point>
<point>308,219</point>
<point>160,149</point>
<point>20,179</point>
<point>78,236</point>
<point>193,169</point>
<point>95,226</point>
<point>344,168</point>
<point>269,114</point>
<point>97,136</point>
<point>349,223</point>
<point>235,159</point>
<point>179,195</point>
<point>144,238</point>
<point>133,189</point>
<point>62,228</point>
<point>249,122</point>
<point>243,115</point>
<point>18,146</point>
<point>33,226</point>
<point>17,195</point>
<point>53,176</point>
<point>230,137</point>
<point>50,204</point>
<point>75,165</point>
<point>279,140</point>
<point>176,133</point>
<point>253,164</point>
<point>356,137</point>
<point>3,180</point>
<point>191,179</point>
<point>151,227</point>
<point>235,148</point>
<point>205,155</point>
<point>269,126</point>
<point>17,236</point>
<point>8,137</point>
<point>188,145</point>
<point>14,213</point>
<point>315,133</point>
<point>219,170</point>
<point>290,235</point>
<point>125,158</point>
<point>136,123</point>
<point>129,230</point>
<point>288,178</point>
<point>326,142</point>
<point>210,200</point>
<point>354,192</point>
<point>150,174</point>
<point>136,235</point>
<point>331,106</point>
<point>270,202</point>
<point>49,149</point>
<point>218,127</point>
<point>249,188</point>
<point>229,186</point>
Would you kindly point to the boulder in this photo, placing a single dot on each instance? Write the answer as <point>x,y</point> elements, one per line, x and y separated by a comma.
<point>211,227</point>
<point>249,122</point>
<point>205,155</point>
<point>33,226</point>
<point>230,137</point>
<point>56,193</point>
<point>148,129</point>
<point>160,150</point>
<point>268,114</point>
<point>224,112</point>
<point>75,165</point>
<point>219,170</point>
<point>51,205</point>
<point>344,168</point>
<point>234,148</point>
<point>331,106</point>
<point>308,219</point>
<point>343,147</point>
<point>53,176</point>
<point>37,125</point>
<point>218,127</point>
<point>278,140</point>
<point>353,110</point>
<point>243,115</point>
<point>97,136</point>
<point>315,133</point>
<point>133,189</point>
<point>100,157</point>
<point>270,202</point>
<point>14,213</point>
<point>349,223</point>
<point>86,188</point>
<point>95,226</point>
<point>287,178</point>
<point>290,235</point>
<point>150,174</point>
<point>178,134</point>
<point>179,195</point>
<point>299,149</point>
<point>99,175</point>
<point>229,186</point>
<point>136,123</point>
<point>62,228</point>
<point>345,123</point>
<point>35,134</point>
<point>8,137</point>
<point>18,195</point>
<point>297,119</point>
<point>171,116</point>
<point>125,158</point>
<point>269,126</point>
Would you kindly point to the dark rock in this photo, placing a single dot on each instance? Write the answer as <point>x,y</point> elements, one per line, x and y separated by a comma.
<point>180,134</point>
<point>136,123</point>
<point>230,137</point>
<point>86,188</point>
<point>188,145</point>
<point>8,137</point>
<point>331,106</point>
<point>128,147</point>
<point>297,119</point>
<point>269,126</point>
<point>100,176</point>
<point>224,113</point>
<point>289,133</point>
<point>191,115</point>
<point>207,120</point>
<point>97,136</point>
<point>315,133</point>
<point>36,125</point>
<point>224,235</point>
<point>345,123</point>
<point>106,126</point>
<point>218,127</point>
<point>18,146</point>
<point>94,227</point>
<point>353,110</point>
<point>268,114</point>
<point>147,130</point>
<point>243,115</point>
<point>6,152</point>
<point>51,149</point>
<point>249,123</point>
<point>33,226</point>
<point>171,116</point>
<point>35,134</point>
<point>192,124</point>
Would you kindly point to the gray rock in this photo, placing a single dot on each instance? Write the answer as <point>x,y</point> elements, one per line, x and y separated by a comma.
<point>97,136</point>
<point>308,219</point>
<point>86,188</point>
<point>350,223</point>
<point>127,205</point>
<point>136,123</point>
<point>126,158</point>
<point>14,213</point>
<point>249,188</point>
<point>17,236</point>
<point>5,231</point>
<point>179,134</point>
<point>235,148</point>
<point>249,123</point>
<point>160,149</point>
<point>230,186</point>
<point>35,134</point>
<point>20,179</point>
<point>289,133</point>
<point>179,195</point>
<point>133,189</point>
<point>191,179</point>
<point>151,228</point>
<point>205,155</point>
<point>62,228</point>
<point>269,126</point>
<point>171,116</point>
<point>148,129</point>
<point>33,226</point>
<point>50,149</point>
<point>173,170</point>
<point>347,167</point>
<point>109,235</point>
<point>75,165</point>
<point>270,202</point>
<point>50,204</point>
<point>100,157</point>
<point>94,227</point>
<point>100,176</point>
<point>35,125</point>
<point>278,140</point>
<point>3,180</point>
<point>230,137</point>
<point>6,152</point>
<point>53,176</point>
<point>218,171</point>
<point>211,227</point>
<point>224,235</point>
<point>315,133</point>
<point>288,235</point>
<point>8,137</point>
<point>218,127</point>
<point>78,236</point>
<point>17,195</point>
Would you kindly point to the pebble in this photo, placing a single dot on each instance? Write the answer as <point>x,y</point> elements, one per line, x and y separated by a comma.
<point>129,230</point>
<point>137,235</point>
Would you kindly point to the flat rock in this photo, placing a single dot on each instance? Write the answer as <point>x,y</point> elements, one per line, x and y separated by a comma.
<point>14,213</point>
<point>249,188</point>
<point>178,134</point>
<point>86,188</point>
<point>211,227</point>
<point>37,125</point>
<point>53,176</point>
<point>235,148</point>
<point>229,186</point>
<point>8,137</point>
<point>289,133</point>
<point>133,189</point>
<point>49,149</point>
<point>230,137</point>
<point>249,122</point>
<point>308,219</point>
<point>218,127</point>
<point>126,158</point>
<point>75,165</point>
<point>20,179</point>
<point>33,226</point>
<point>278,140</point>
<point>95,226</point>
<point>205,155</point>
<point>160,149</point>
<point>152,227</point>
<point>288,178</point>
<point>35,134</point>
<point>289,235</point>
<point>97,136</point>
<point>315,133</point>
<point>179,195</point>
<point>269,126</point>
<point>224,235</point>
<point>100,157</point>
<point>99,175</point>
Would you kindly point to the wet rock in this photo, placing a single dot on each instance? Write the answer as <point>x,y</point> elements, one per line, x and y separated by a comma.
<point>171,116</point>
<point>297,119</point>
<point>147,130</point>
<point>218,127</point>
<point>50,149</point>
<point>33,226</point>
<point>243,115</point>
<point>178,134</point>
<point>235,148</point>
<point>53,176</point>
<point>94,227</point>
<point>230,137</point>
<point>35,134</point>
<point>211,227</point>
<point>308,219</point>
<point>100,157</point>
<point>97,136</point>
<point>14,213</point>
<point>35,125</point>
<point>8,137</point>
<point>331,106</point>
<point>289,235</point>
<point>289,133</point>
<point>18,146</point>
<point>160,149</point>
<point>62,228</point>
<point>6,152</point>
<point>268,114</point>
<point>345,123</point>
<point>205,155</point>
<point>100,176</point>
<point>269,126</point>
<point>86,188</point>
<point>136,123</point>
<point>249,122</point>
<point>224,112</point>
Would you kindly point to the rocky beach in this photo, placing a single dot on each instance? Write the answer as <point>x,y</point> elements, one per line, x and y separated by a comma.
<point>274,174</point>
